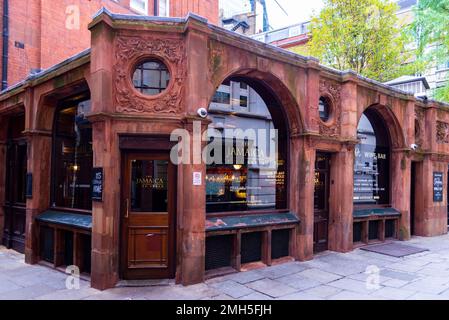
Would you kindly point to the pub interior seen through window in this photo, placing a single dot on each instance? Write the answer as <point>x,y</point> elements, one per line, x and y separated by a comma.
<point>246,164</point>
<point>73,157</point>
<point>372,161</point>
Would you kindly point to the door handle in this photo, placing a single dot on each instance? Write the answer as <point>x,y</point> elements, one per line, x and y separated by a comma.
<point>126,208</point>
<point>149,235</point>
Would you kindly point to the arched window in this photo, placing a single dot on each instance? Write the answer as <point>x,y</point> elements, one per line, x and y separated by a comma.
<point>247,153</point>
<point>72,155</point>
<point>372,161</point>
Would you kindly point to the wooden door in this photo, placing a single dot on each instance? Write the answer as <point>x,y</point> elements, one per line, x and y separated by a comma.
<point>148,216</point>
<point>15,200</point>
<point>321,202</point>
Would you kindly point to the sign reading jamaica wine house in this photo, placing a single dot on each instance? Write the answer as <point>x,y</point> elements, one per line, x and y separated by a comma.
<point>371,172</point>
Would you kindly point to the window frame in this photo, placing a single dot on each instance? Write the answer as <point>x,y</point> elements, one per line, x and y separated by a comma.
<point>63,104</point>
<point>386,136</point>
<point>139,67</point>
<point>276,111</point>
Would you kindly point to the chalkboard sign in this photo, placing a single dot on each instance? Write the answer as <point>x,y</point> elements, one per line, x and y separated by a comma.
<point>29,185</point>
<point>97,184</point>
<point>437,186</point>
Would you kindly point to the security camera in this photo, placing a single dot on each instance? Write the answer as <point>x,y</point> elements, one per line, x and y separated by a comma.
<point>414,146</point>
<point>202,112</point>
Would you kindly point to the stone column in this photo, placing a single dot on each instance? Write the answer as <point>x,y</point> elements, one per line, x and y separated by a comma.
<point>106,214</point>
<point>430,216</point>
<point>3,168</point>
<point>191,228</point>
<point>302,177</point>
<point>341,200</point>
<point>400,190</point>
<point>39,165</point>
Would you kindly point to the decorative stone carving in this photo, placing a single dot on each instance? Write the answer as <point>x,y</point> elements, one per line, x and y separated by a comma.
<point>131,49</point>
<point>331,91</point>
<point>419,126</point>
<point>442,132</point>
<point>216,53</point>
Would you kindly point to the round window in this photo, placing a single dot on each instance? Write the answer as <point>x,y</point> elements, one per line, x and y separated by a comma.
<point>324,109</point>
<point>151,77</point>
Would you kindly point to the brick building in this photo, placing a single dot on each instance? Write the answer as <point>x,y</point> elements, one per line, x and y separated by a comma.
<point>105,168</point>
<point>42,33</point>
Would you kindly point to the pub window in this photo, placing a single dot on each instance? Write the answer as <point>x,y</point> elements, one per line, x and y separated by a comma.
<point>247,172</point>
<point>151,77</point>
<point>372,161</point>
<point>73,157</point>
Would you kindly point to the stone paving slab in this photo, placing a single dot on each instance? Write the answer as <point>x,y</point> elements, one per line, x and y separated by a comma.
<point>332,276</point>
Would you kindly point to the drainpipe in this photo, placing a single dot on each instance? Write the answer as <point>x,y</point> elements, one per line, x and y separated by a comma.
<point>5,44</point>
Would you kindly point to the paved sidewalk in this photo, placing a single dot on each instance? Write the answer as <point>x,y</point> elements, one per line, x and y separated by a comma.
<point>330,275</point>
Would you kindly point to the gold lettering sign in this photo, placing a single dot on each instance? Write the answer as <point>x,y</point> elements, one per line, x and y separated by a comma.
<point>151,182</point>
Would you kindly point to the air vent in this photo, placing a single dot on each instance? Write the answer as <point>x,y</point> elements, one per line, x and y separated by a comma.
<point>280,240</point>
<point>373,230</point>
<point>46,243</point>
<point>251,247</point>
<point>218,252</point>
<point>389,228</point>
<point>357,232</point>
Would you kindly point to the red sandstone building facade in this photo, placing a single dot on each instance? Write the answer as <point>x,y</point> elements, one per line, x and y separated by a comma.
<point>88,177</point>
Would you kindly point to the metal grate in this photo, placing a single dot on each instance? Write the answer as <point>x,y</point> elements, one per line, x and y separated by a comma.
<point>280,240</point>
<point>46,242</point>
<point>389,228</point>
<point>357,232</point>
<point>251,247</point>
<point>218,251</point>
<point>86,241</point>
<point>373,230</point>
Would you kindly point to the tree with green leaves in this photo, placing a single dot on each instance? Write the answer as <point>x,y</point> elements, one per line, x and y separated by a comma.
<point>361,35</point>
<point>431,29</point>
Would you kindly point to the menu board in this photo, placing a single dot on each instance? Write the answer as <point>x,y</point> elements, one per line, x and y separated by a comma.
<point>437,187</point>
<point>97,184</point>
<point>371,174</point>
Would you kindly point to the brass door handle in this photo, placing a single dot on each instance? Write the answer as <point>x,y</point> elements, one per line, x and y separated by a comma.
<point>127,208</point>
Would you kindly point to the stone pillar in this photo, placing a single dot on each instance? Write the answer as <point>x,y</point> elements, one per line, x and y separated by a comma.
<point>341,200</point>
<point>39,165</point>
<point>106,214</point>
<point>302,177</point>
<point>3,168</point>
<point>430,216</point>
<point>400,190</point>
<point>192,227</point>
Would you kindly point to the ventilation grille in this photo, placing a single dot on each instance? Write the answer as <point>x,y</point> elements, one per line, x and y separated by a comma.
<point>357,232</point>
<point>46,242</point>
<point>218,252</point>
<point>373,230</point>
<point>68,248</point>
<point>389,228</point>
<point>251,249</point>
<point>280,240</point>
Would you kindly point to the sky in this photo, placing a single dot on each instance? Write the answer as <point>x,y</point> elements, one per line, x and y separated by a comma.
<point>298,11</point>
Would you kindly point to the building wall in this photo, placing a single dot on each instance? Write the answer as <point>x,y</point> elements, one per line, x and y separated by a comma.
<point>50,31</point>
<point>199,61</point>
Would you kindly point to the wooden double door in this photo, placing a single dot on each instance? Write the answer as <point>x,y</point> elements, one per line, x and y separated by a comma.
<point>321,202</point>
<point>148,216</point>
<point>15,188</point>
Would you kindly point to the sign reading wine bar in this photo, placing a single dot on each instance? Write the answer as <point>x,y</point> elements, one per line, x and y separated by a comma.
<point>371,178</point>
<point>437,187</point>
